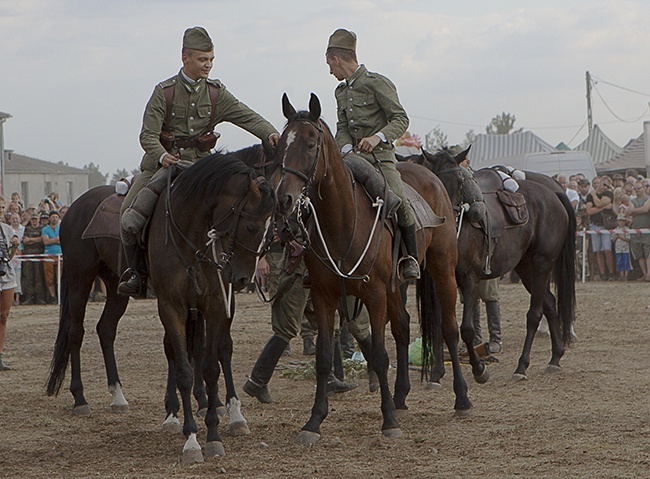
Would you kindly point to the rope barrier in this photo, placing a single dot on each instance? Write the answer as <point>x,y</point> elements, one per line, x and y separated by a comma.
<point>633,231</point>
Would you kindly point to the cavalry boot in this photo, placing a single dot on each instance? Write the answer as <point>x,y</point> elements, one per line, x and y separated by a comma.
<point>130,281</point>
<point>366,349</point>
<point>494,325</point>
<point>336,383</point>
<point>476,322</point>
<point>3,366</point>
<point>256,386</point>
<point>308,346</point>
<point>408,265</point>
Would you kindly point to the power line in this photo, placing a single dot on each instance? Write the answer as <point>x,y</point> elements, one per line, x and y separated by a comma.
<point>615,115</point>
<point>599,80</point>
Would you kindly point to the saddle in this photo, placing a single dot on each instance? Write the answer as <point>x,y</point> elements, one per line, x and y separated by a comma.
<point>505,209</point>
<point>105,222</point>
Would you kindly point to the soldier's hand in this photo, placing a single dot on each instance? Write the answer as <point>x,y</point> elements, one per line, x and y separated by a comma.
<point>274,138</point>
<point>169,160</point>
<point>368,144</point>
<point>263,269</point>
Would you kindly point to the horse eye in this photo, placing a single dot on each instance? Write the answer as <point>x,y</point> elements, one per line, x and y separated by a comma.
<point>251,229</point>
<point>312,146</point>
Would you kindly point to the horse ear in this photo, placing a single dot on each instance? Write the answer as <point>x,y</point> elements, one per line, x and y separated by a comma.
<point>287,108</point>
<point>460,157</point>
<point>314,108</point>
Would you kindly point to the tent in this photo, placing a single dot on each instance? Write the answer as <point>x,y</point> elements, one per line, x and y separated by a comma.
<point>488,150</point>
<point>599,146</point>
<point>632,156</point>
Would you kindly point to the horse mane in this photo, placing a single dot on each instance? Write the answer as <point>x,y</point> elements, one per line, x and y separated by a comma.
<point>206,178</point>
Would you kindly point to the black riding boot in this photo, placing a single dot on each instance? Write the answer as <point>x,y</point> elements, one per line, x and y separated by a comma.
<point>335,383</point>
<point>263,370</point>
<point>366,348</point>
<point>408,265</point>
<point>130,281</point>
<point>494,325</point>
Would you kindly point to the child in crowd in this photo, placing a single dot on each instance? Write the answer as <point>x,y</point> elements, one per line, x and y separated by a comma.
<point>621,241</point>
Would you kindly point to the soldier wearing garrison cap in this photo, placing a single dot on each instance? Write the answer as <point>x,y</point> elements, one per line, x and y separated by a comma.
<point>178,124</point>
<point>370,119</point>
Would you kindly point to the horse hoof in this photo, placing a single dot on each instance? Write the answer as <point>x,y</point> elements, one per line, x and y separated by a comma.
<point>432,386</point>
<point>483,377</point>
<point>83,410</point>
<point>552,369</point>
<point>119,408</point>
<point>401,413</point>
<point>463,413</point>
<point>172,425</point>
<point>392,432</point>
<point>215,449</point>
<point>202,412</point>
<point>221,411</point>
<point>519,377</point>
<point>239,428</point>
<point>307,438</point>
<point>192,451</point>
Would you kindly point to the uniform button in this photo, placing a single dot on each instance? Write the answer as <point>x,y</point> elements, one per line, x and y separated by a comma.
<point>351,121</point>
<point>350,109</point>
<point>191,118</point>
<point>193,104</point>
<point>191,130</point>
<point>364,103</point>
<point>182,149</point>
<point>349,99</point>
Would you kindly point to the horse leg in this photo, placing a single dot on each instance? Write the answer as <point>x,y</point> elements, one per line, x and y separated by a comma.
<point>171,424</point>
<point>106,330</point>
<point>557,347</point>
<point>324,312</point>
<point>470,297</point>
<point>400,328</point>
<point>535,278</point>
<point>214,445</point>
<point>198,389</point>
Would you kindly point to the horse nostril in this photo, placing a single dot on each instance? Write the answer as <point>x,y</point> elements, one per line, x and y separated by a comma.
<point>287,203</point>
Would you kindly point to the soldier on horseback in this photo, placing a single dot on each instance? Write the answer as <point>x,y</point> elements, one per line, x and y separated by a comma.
<point>178,125</point>
<point>370,118</point>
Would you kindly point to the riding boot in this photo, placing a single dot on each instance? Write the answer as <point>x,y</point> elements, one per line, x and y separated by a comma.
<point>130,281</point>
<point>347,341</point>
<point>3,366</point>
<point>408,265</point>
<point>366,349</point>
<point>335,383</point>
<point>494,325</point>
<point>256,385</point>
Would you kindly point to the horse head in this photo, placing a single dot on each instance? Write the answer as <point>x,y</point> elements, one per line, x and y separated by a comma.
<point>300,150</point>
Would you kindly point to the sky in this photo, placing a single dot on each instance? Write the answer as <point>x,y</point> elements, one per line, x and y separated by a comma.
<point>76,74</point>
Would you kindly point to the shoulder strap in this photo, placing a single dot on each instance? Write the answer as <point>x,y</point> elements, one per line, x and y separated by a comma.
<point>169,99</point>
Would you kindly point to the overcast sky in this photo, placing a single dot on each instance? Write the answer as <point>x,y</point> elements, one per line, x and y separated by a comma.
<point>76,74</point>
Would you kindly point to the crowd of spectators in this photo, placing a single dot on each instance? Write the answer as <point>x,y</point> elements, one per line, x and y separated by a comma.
<point>37,229</point>
<point>610,209</point>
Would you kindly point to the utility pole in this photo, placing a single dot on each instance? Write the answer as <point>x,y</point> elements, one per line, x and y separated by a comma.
<point>3,117</point>
<point>589,119</point>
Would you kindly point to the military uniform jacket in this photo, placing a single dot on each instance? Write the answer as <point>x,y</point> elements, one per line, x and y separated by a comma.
<point>33,232</point>
<point>190,117</point>
<point>367,103</point>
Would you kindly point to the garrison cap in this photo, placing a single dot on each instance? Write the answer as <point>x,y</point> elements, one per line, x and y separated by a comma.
<point>197,38</point>
<point>343,39</point>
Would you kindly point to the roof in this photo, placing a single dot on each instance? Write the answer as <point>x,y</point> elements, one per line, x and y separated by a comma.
<point>15,163</point>
<point>599,146</point>
<point>632,156</point>
<point>488,150</point>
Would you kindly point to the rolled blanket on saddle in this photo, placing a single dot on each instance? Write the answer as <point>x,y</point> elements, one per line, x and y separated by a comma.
<point>373,181</point>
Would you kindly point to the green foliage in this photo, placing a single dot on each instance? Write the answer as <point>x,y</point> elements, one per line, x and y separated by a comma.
<point>502,124</point>
<point>435,139</point>
<point>95,177</point>
<point>307,370</point>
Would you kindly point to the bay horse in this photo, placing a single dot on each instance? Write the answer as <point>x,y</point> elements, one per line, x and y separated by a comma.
<point>540,251</point>
<point>218,199</point>
<point>312,173</point>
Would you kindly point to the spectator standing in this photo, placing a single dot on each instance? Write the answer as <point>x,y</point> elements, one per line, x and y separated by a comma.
<point>640,213</point>
<point>8,246</point>
<point>599,200</point>
<point>19,231</point>
<point>52,248</point>
<point>621,242</point>
<point>33,283</point>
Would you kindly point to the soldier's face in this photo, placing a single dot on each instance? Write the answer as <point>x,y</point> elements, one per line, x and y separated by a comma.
<point>335,67</point>
<point>197,64</point>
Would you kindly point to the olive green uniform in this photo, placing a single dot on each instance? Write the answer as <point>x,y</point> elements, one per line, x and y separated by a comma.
<point>191,116</point>
<point>367,104</point>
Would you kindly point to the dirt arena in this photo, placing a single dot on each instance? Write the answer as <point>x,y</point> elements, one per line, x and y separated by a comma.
<point>591,420</point>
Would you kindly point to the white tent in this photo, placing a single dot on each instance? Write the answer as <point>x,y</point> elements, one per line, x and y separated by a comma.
<point>489,150</point>
<point>599,146</point>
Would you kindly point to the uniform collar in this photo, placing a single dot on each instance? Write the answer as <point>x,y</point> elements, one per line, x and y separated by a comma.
<point>361,69</point>
<point>189,84</point>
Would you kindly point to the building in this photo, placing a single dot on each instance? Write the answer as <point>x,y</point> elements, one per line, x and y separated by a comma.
<point>34,179</point>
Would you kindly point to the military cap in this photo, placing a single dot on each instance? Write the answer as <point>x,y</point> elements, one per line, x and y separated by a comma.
<point>197,38</point>
<point>343,39</point>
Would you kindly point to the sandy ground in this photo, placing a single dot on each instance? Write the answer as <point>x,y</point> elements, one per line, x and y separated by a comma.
<point>591,420</point>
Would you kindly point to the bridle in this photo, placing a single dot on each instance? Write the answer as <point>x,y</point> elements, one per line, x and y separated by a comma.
<point>307,178</point>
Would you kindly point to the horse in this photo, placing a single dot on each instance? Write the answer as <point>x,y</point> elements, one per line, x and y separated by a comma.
<point>312,174</point>
<point>539,251</point>
<point>228,201</point>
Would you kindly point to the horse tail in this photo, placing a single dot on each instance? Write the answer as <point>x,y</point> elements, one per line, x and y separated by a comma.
<point>61,353</point>
<point>429,312</point>
<point>565,274</point>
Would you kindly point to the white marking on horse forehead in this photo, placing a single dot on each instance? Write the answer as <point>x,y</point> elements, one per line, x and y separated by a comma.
<point>290,138</point>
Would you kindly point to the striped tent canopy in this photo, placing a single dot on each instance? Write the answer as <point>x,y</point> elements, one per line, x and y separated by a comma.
<point>599,146</point>
<point>632,156</point>
<point>489,150</point>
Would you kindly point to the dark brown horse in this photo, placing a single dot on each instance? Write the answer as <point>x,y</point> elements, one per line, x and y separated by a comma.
<point>313,174</point>
<point>219,200</point>
<point>540,251</point>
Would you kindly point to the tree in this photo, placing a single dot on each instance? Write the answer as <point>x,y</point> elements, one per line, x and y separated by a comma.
<point>122,173</point>
<point>470,137</point>
<point>95,177</point>
<point>435,139</point>
<point>502,124</point>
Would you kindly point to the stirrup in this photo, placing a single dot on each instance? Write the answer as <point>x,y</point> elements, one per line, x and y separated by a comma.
<point>130,283</point>
<point>408,268</point>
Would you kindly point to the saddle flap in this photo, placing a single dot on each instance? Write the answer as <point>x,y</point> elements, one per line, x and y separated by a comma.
<point>514,204</point>
<point>105,222</point>
<point>424,215</point>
